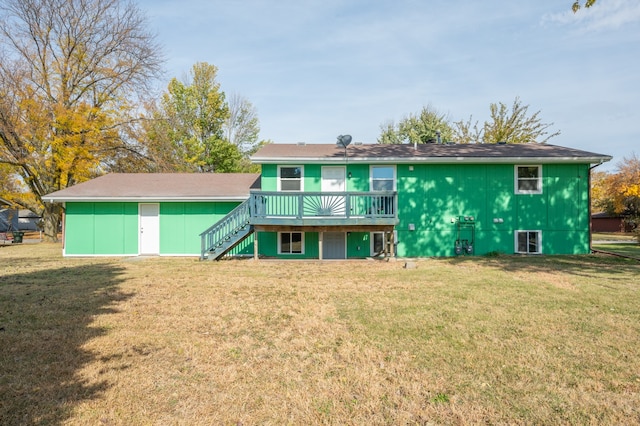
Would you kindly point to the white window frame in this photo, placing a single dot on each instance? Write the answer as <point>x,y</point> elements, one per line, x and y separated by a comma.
<point>280,178</point>
<point>372,243</point>
<point>280,251</point>
<point>517,179</point>
<point>527,231</point>
<point>380,166</point>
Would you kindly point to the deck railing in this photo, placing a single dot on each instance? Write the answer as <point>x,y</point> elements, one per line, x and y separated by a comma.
<point>306,205</point>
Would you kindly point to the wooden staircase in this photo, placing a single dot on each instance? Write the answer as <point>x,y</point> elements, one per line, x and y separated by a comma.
<point>226,234</point>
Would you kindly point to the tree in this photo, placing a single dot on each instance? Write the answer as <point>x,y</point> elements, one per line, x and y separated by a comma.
<point>467,131</point>
<point>619,193</point>
<point>68,73</point>
<point>188,125</point>
<point>510,126</point>
<point>242,125</point>
<point>427,126</point>
<point>577,5</point>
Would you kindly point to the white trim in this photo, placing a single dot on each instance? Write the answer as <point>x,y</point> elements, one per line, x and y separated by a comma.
<point>289,166</point>
<point>432,160</point>
<point>143,199</point>
<point>302,234</point>
<point>101,255</point>
<point>515,241</point>
<point>516,178</point>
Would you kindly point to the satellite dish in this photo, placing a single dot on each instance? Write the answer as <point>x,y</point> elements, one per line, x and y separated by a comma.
<point>344,140</point>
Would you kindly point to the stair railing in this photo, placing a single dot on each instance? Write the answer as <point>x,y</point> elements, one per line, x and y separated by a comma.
<point>224,229</point>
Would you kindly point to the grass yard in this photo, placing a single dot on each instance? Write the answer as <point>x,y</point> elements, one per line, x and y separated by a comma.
<point>503,340</point>
<point>632,250</point>
<point>614,236</point>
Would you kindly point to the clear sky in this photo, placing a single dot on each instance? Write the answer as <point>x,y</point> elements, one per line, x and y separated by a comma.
<point>315,69</point>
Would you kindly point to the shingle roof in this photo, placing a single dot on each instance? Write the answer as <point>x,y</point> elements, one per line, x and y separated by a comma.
<point>425,153</point>
<point>161,187</point>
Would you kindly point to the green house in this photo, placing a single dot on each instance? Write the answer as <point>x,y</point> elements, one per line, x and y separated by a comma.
<point>323,201</point>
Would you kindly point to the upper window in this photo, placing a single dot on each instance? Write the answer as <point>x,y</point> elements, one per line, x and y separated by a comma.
<point>290,178</point>
<point>383,178</point>
<point>528,179</point>
<point>528,242</point>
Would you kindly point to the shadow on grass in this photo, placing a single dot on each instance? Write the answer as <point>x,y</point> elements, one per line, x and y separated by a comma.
<point>45,319</point>
<point>580,265</point>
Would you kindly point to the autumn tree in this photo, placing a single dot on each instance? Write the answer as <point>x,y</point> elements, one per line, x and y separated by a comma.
<point>69,70</point>
<point>429,125</point>
<point>510,125</point>
<point>577,4</point>
<point>619,192</point>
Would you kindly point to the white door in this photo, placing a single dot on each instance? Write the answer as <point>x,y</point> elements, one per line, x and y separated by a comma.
<point>149,228</point>
<point>334,180</point>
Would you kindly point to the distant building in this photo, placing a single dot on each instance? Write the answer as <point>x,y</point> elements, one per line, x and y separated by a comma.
<point>605,222</point>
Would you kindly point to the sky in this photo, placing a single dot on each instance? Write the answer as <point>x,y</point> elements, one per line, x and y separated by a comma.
<point>316,69</point>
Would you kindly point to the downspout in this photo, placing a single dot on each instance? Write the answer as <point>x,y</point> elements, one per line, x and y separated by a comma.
<point>589,204</point>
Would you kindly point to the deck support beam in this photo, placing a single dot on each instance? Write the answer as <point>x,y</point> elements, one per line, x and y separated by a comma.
<point>255,246</point>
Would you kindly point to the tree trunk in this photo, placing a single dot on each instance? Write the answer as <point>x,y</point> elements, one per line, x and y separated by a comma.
<point>51,217</point>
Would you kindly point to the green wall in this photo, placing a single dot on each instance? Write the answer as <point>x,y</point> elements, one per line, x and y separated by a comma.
<point>431,195</point>
<point>99,228</point>
<point>181,224</point>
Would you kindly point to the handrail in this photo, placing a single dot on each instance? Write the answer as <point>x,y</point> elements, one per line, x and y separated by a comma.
<point>379,204</point>
<point>216,234</point>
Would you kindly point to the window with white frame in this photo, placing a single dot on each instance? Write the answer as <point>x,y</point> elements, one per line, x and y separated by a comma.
<point>383,178</point>
<point>290,178</point>
<point>528,242</point>
<point>377,243</point>
<point>290,243</point>
<point>528,179</point>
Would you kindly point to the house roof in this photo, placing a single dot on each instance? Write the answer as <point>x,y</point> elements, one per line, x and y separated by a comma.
<point>161,187</point>
<point>425,153</point>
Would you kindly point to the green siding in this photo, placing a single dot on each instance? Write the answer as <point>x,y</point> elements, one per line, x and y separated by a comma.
<point>101,229</point>
<point>430,196</point>
<point>269,177</point>
<point>182,223</point>
<point>112,228</point>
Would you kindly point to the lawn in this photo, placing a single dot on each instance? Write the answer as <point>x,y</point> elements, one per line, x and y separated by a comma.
<point>501,340</point>
<point>629,249</point>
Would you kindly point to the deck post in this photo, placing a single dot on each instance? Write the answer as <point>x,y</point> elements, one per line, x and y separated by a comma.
<point>255,246</point>
<point>320,238</point>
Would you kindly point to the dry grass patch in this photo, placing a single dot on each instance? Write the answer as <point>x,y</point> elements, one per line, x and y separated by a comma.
<point>455,341</point>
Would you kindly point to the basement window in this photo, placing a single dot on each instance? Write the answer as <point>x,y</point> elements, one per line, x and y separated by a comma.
<point>290,178</point>
<point>290,243</point>
<point>528,242</point>
<point>528,179</point>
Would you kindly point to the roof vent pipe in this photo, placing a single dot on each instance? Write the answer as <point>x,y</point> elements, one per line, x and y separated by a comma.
<point>438,136</point>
